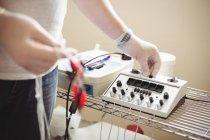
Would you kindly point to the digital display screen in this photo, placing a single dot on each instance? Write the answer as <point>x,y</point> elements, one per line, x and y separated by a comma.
<point>131,81</point>
<point>138,83</point>
<point>152,86</point>
<point>144,84</point>
<point>159,88</point>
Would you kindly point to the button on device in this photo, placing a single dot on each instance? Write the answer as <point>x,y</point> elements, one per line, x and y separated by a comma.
<point>134,71</point>
<point>114,89</point>
<point>151,100</point>
<point>173,80</point>
<point>119,83</point>
<point>132,94</point>
<point>150,76</point>
<point>141,96</point>
<point>141,91</point>
<point>123,92</point>
<point>165,95</point>
<point>149,93</point>
<point>161,102</point>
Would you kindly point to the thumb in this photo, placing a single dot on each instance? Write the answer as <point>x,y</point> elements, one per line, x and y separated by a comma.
<point>65,52</point>
<point>156,64</point>
<point>44,37</point>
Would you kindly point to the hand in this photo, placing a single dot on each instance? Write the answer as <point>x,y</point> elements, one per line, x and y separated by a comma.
<point>145,53</point>
<point>27,43</point>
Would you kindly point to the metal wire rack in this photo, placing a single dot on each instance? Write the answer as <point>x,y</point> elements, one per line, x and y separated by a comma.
<point>191,119</point>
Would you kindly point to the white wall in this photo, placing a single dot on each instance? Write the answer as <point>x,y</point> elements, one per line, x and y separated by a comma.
<point>180,27</point>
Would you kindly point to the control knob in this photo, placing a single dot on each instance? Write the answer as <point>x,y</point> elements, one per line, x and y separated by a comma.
<point>141,97</point>
<point>114,89</point>
<point>134,71</point>
<point>119,83</point>
<point>122,92</point>
<point>151,100</point>
<point>132,95</point>
<point>161,102</point>
<point>165,95</point>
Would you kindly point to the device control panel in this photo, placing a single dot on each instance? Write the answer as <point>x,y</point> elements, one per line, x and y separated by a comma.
<point>154,95</point>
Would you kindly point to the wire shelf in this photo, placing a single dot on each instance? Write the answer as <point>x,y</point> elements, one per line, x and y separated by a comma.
<point>191,119</point>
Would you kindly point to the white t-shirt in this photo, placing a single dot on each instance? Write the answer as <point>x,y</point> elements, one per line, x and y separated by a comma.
<point>48,13</point>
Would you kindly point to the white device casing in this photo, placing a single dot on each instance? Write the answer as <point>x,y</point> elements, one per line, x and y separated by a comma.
<point>176,92</point>
<point>97,80</point>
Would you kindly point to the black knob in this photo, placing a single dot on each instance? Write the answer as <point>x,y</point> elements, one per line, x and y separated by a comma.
<point>149,93</point>
<point>123,92</point>
<point>173,80</point>
<point>114,89</point>
<point>132,95</point>
<point>135,89</point>
<point>161,102</point>
<point>166,96</point>
<point>150,76</point>
<point>134,71</point>
<point>119,84</point>
<point>151,99</point>
<point>141,97</point>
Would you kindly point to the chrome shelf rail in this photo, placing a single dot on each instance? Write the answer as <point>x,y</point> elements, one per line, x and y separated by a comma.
<point>191,119</point>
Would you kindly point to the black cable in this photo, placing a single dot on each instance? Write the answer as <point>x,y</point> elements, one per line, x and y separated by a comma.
<point>67,103</point>
<point>199,100</point>
<point>101,56</point>
<point>70,85</point>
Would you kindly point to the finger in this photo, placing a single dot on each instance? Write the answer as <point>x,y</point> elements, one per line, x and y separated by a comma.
<point>44,37</point>
<point>71,51</point>
<point>45,52</point>
<point>155,69</point>
<point>145,68</point>
<point>156,66</point>
<point>66,52</point>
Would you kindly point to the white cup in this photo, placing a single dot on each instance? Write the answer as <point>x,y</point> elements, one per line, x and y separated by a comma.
<point>168,64</point>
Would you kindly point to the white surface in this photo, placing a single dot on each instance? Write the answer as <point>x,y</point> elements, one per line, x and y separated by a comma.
<point>58,122</point>
<point>92,132</point>
<point>168,64</point>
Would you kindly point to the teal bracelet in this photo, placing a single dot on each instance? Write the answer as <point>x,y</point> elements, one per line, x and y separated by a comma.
<point>123,39</point>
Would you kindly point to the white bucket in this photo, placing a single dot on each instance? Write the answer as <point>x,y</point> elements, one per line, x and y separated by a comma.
<point>168,64</point>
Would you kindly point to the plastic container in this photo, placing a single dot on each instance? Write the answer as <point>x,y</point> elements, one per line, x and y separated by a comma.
<point>168,64</point>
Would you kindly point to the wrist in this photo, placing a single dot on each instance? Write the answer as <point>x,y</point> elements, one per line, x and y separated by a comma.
<point>122,40</point>
<point>2,10</point>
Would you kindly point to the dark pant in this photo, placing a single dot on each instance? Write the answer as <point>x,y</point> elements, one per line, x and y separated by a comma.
<point>18,107</point>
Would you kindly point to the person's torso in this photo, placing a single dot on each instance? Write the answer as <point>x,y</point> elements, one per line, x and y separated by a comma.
<point>48,13</point>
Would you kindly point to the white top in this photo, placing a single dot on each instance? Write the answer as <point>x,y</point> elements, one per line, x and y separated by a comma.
<point>48,13</point>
